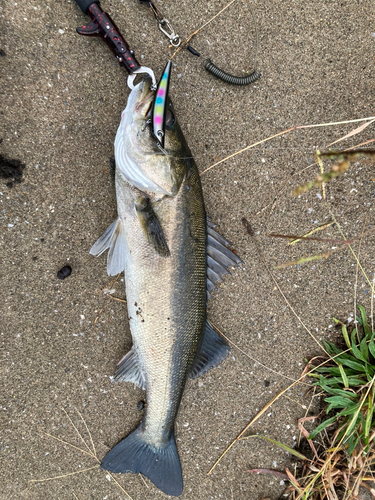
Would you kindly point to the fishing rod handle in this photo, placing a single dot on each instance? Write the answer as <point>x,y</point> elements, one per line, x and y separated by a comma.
<point>85,4</point>
<point>103,26</point>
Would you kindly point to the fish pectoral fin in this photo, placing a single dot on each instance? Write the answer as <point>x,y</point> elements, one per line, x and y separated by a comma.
<point>129,369</point>
<point>151,226</point>
<point>213,351</point>
<point>114,239</point>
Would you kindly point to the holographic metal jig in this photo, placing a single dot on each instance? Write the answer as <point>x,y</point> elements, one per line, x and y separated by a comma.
<point>160,105</point>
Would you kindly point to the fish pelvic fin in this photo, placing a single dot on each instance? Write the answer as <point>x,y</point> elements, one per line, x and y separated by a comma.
<point>213,351</point>
<point>129,369</point>
<point>161,465</point>
<point>113,239</point>
<point>151,226</point>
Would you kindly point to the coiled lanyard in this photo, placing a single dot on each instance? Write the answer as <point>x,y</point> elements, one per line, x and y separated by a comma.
<point>174,39</point>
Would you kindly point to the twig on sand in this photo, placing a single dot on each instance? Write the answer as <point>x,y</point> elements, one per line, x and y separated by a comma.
<point>63,475</point>
<point>117,298</point>
<point>187,39</point>
<point>109,283</point>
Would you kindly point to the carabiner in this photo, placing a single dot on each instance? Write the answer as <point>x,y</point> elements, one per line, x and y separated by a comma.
<point>174,39</point>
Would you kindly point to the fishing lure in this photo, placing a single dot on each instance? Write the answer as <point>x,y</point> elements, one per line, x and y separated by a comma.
<point>160,105</point>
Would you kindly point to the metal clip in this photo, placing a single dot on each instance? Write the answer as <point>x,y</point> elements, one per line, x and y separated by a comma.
<point>174,39</point>
<point>142,69</point>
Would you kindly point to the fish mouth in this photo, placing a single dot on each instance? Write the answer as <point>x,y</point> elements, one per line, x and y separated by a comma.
<point>145,98</point>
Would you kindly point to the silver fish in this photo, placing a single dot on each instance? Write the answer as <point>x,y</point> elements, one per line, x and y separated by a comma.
<point>172,258</point>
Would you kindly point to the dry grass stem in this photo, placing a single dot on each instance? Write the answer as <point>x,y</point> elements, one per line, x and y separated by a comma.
<point>87,451</point>
<point>321,167</point>
<point>63,475</point>
<point>296,238</point>
<point>260,253</point>
<point>109,283</point>
<point>351,249</point>
<point>287,131</point>
<point>69,444</point>
<point>187,40</point>
<point>250,357</point>
<point>303,260</point>
<point>87,429</point>
<point>353,132</point>
<point>117,298</point>
<point>359,145</point>
<point>316,229</point>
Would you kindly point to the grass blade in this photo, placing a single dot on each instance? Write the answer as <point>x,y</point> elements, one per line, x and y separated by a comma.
<point>364,349</point>
<point>371,346</point>
<point>343,375</point>
<point>280,445</point>
<point>353,132</point>
<point>344,332</point>
<point>364,322</point>
<point>358,367</point>
<point>357,353</point>
<point>370,411</point>
<point>322,426</point>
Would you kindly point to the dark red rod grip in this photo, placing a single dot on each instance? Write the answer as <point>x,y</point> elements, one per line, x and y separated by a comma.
<point>85,4</point>
<point>103,26</point>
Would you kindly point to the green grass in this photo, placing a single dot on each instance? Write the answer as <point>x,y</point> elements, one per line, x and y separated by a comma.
<point>344,451</point>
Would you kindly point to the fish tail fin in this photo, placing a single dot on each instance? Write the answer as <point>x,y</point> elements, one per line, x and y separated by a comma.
<point>161,465</point>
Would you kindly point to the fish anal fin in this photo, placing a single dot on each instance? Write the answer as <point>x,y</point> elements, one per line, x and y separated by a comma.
<point>151,226</point>
<point>213,351</point>
<point>129,370</point>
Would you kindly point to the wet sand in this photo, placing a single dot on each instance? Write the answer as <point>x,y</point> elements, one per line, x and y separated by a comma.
<point>61,339</point>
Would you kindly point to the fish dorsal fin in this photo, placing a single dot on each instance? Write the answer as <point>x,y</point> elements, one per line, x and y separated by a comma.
<point>213,351</point>
<point>129,370</point>
<point>114,239</point>
<point>219,258</point>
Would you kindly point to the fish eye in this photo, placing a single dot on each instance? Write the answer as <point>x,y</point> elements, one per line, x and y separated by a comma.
<point>169,118</point>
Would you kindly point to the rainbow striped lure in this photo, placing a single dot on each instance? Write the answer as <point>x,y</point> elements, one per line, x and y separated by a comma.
<point>160,105</point>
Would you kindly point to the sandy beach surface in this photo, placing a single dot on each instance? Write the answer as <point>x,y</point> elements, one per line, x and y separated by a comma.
<point>62,97</point>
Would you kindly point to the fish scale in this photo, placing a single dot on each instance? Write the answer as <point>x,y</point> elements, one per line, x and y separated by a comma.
<point>183,301</point>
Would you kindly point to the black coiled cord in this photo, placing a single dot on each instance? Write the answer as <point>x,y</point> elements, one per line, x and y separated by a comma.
<point>228,78</point>
<point>232,79</point>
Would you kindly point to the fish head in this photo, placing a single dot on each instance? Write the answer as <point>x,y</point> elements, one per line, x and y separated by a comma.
<point>138,156</point>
